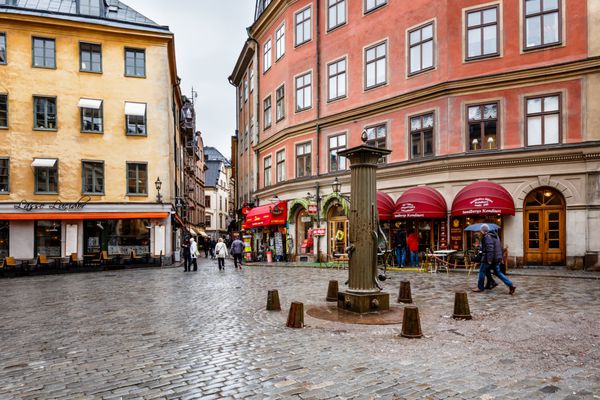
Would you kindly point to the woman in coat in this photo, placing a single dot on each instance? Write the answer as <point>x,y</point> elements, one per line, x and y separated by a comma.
<point>221,253</point>
<point>413,246</point>
<point>194,254</point>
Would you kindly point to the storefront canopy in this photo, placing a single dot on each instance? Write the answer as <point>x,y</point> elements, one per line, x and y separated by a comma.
<point>421,202</point>
<point>270,214</point>
<point>385,206</point>
<point>81,215</point>
<point>483,198</point>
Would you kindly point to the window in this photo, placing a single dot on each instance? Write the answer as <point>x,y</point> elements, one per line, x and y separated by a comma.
<point>303,26</point>
<point>135,119</point>
<point>304,92</point>
<point>267,171</point>
<point>246,89</point>
<point>207,201</point>
<point>280,42</point>
<point>336,72</point>
<point>208,220</point>
<point>137,179</point>
<point>280,104</point>
<point>241,92</point>
<point>375,65</point>
<point>483,125</point>
<point>90,7</point>
<point>4,175</point>
<point>44,53</point>
<point>93,177</point>
<point>377,137</point>
<point>421,49</point>
<point>371,5</point>
<point>2,48</point>
<point>44,113</point>
<point>3,111</point>
<point>91,115</point>
<point>482,33</point>
<point>542,23</point>
<point>303,160</point>
<point>543,120</point>
<point>336,144</point>
<point>135,62</point>
<point>46,179</point>
<point>90,56</point>
<point>421,136</point>
<point>280,158</point>
<point>251,79</point>
<point>268,117</point>
<point>267,56</point>
<point>336,15</point>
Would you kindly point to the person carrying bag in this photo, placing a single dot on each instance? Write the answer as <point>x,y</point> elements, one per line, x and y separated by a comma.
<point>221,253</point>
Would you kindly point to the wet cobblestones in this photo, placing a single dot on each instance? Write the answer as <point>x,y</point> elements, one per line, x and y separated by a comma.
<point>145,334</point>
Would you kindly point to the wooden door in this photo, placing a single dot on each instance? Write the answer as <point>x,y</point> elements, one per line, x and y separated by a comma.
<point>338,237</point>
<point>544,233</point>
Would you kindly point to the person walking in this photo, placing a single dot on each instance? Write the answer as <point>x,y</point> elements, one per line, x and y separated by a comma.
<point>221,253</point>
<point>237,250</point>
<point>206,247</point>
<point>413,246</point>
<point>401,246</point>
<point>187,255</point>
<point>194,253</point>
<point>491,248</point>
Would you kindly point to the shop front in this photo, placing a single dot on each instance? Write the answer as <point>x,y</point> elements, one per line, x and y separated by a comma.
<point>479,202</point>
<point>336,209</point>
<point>118,237</point>
<point>301,217</point>
<point>385,212</point>
<point>267,226</point>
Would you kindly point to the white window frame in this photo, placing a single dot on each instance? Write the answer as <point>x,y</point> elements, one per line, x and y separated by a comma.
<point>280,42</point>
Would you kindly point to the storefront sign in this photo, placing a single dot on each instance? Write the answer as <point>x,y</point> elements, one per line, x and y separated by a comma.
<point>409,215</point>
<point>57,205</point>
<point>305,219</point>
<point>276,210</point>
<point>443,236</point>
<point>456,235</point>
<point>318,232</point>
<point>312,209</point>
<point>482,202</point>
<point>407,208</point>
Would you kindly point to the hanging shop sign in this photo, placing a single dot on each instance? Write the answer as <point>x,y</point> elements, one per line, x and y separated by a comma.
<point>57,205</point>
<point>312,209</point>
<point>318,232</point>
<point>305,219</point>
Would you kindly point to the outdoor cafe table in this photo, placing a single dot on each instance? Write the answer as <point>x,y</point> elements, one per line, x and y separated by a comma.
<point>443,255</point>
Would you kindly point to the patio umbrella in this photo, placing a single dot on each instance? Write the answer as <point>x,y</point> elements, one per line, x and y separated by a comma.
<point>477,227</point>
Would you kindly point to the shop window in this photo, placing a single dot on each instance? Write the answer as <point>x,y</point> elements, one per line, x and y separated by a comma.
<point>303,26</point>
<point>2,48</point>
<point>4,239</point>
<point>280,42</point>
<point>482,33</point>
<point>421,136</point>
<point>91,113</point>
<point>44,53</point>
<point>46,179</point>
<point>4,175</point>
<point>377,137</point>
<point>371,5</point>
<point>303,160</point>
<point>3,111</point>
<point>137,179</point>
<point>336,13</point>
<point>483,127</point>
<point>542,23</point>
<point>267,171</point>
<point>267,61</point>
<point>421,49</point>
<point>90,57</point>
<point>280,158</point>
<point>93,177</point>
<point>44,113</point>
<point>543,120</point>
<point>336,144</point>
<point>303,92</point>
<point>280,105</point>
<point>268,116</point>
<point>117,237</point>
<point>135,62</point>
<point>376,65</point>
<point>48,238</point>
<point>336,72</point>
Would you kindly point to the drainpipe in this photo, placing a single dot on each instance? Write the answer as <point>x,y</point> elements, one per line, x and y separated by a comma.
<point>318,127</point>
<point>256,126</point>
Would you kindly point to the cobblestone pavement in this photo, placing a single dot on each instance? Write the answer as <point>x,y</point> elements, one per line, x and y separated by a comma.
<point>163,333</point>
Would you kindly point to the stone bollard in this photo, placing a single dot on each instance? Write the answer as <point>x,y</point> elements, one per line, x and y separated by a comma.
<point>404,296</point>
<point>332,291</point>
<point>296,315</point>
<point>461,306</point>
<point>411,324</point>
<point>273,301</point>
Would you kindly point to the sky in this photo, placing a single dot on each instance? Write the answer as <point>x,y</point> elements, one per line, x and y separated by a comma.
<point>209,36</point>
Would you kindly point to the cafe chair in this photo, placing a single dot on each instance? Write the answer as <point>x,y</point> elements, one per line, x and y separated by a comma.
<point>158,259</point>
<point>135,258</point>
<point>105,258</point>
<point>73,260</point>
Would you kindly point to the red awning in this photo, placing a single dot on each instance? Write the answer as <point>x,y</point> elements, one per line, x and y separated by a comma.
<point>270,214</point>
<point>421,202</point>
<point>385,206</point>
<point>82,215</point>
<point>483,198</point>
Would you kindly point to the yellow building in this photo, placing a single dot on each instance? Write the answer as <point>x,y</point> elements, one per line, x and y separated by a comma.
<point>89,122</point>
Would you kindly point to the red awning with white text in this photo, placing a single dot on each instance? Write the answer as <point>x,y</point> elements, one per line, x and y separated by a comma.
<point>421,202</point>
<point>269,214</point>
<point>483,198</point>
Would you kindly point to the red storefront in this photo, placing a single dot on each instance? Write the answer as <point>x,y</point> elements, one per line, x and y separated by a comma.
<point>267,224</point>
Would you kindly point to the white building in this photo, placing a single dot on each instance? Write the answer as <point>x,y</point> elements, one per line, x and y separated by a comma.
<point>217,193</point>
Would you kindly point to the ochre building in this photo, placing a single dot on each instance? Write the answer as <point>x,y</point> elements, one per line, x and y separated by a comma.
<point>489,108</point>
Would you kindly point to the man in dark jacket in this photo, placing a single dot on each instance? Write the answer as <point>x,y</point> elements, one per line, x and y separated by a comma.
<point>237,250</point>
<point>401,246</point>
<point>492,256</point>
<point>187,255</point>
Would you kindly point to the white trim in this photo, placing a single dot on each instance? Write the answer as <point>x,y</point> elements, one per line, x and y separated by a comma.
<point>44,162</point>
<point>135,109</point>
<point>90,103</point>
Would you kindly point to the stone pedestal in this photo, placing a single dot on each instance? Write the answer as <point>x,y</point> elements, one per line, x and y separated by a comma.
<point>364,303</point>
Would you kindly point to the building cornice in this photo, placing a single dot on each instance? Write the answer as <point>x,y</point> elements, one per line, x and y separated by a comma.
<point>269,16</point>
<point>526,77</point>
<point>244,59</point>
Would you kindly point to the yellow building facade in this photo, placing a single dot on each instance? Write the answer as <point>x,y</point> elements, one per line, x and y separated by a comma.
<point>91,108</point>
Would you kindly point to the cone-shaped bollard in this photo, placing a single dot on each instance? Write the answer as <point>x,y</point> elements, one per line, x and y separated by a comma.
<point>405,296</point>
<point>296,315</point>
<point>273,301</point>
<point>411,324</point>
<point>332,291</point>
<point>461,306</point>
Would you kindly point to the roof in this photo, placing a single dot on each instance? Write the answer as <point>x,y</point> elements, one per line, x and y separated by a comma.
<point>113,12</point>
<point>212,154</point>
<point>213,173</point>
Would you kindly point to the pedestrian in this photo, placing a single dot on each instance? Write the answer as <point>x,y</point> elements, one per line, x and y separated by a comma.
<point>413,246</point>
<point>187,255</point>
<point>212,249</point>
<point>491,258</point>
<point>221,253</point>
<point>206,247</point>
<point>237,250</point>
<point>401,246</point>
<point>194,253</point>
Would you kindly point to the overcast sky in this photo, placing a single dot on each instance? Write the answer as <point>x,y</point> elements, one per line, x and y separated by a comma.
<point>209,36</point>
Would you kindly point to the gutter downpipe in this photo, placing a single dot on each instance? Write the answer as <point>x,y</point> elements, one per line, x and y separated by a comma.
<point>318,127</point>
<point>256,125</point>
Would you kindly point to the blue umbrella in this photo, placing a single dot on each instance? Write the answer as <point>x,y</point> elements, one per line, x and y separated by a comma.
<point>477,227</point>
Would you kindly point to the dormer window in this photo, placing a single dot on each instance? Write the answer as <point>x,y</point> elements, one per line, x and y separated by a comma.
<point>91,7</point>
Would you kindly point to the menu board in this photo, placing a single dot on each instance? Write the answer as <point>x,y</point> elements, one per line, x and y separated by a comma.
<point>444,235</point>
<point>456,234</point>
<point>278,244</point>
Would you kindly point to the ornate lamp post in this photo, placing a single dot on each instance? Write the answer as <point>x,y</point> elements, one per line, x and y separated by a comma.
<point>158,185</point>
<point>364,294</point>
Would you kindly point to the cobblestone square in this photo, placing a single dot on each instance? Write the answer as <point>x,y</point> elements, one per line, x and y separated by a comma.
<point>163,333</point>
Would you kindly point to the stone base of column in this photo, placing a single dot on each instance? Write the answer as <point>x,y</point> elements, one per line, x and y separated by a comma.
<point>364,303</point>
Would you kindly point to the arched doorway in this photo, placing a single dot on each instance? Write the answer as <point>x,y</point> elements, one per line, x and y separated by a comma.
<point>338,230</point>
<point>304,238</point>
<point>544,231</point>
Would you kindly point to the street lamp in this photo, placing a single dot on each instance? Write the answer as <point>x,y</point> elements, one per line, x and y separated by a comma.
<point>158,185</point>
<point>336,186</point>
